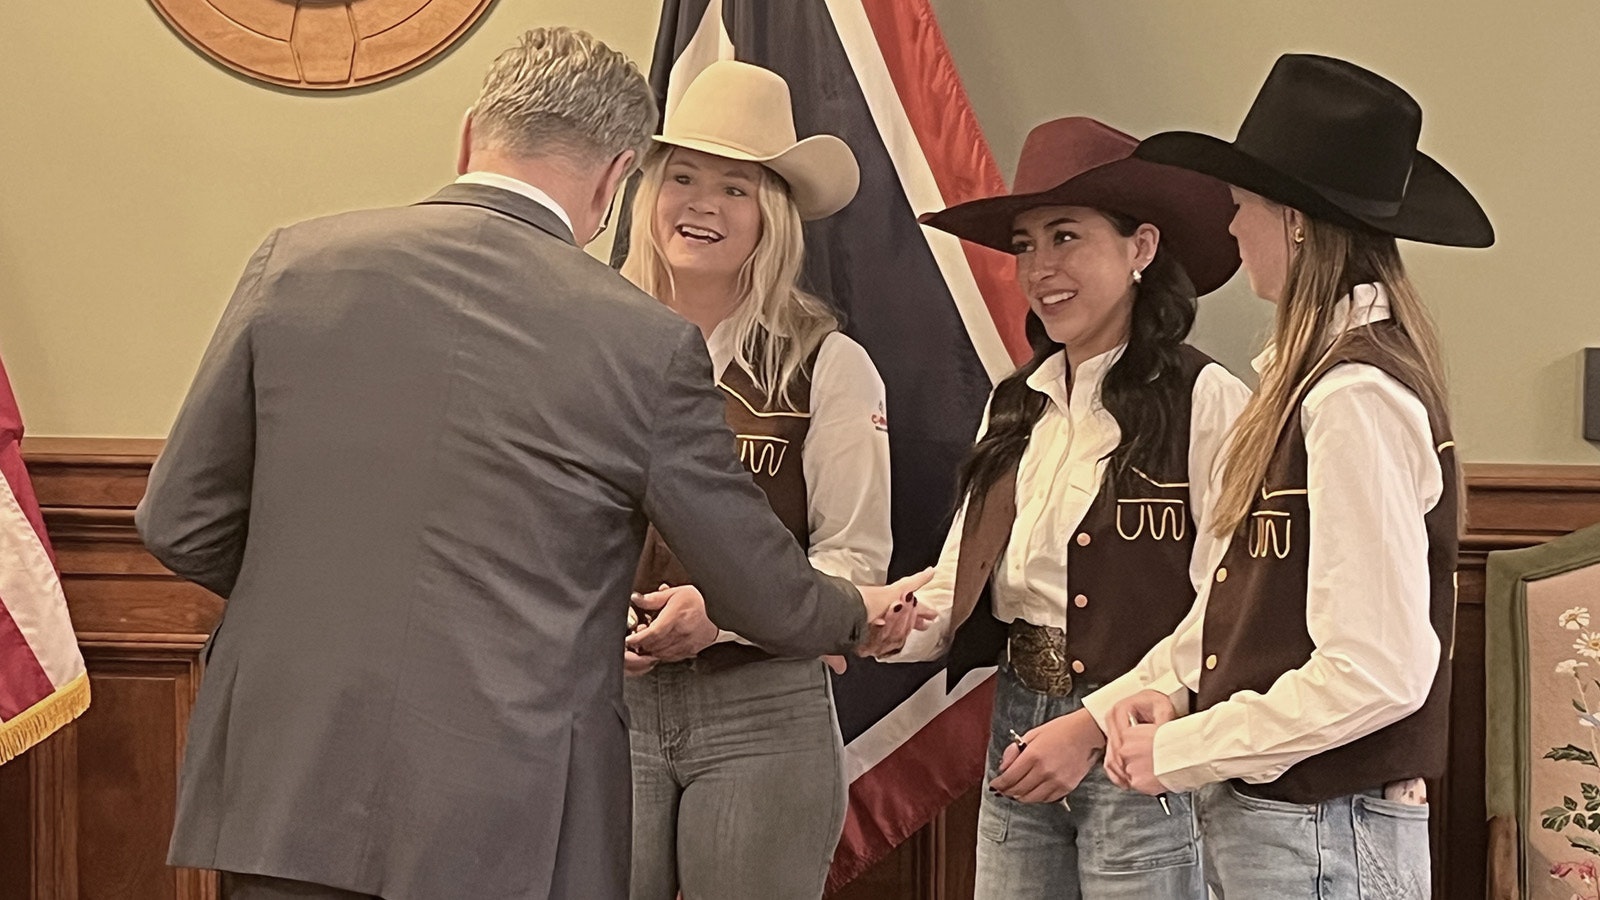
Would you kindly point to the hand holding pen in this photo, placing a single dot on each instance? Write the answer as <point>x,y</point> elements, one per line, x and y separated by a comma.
<point>1021,745</point>
<point>1047,763</point>
<point>1130,751</point>
<point>1166,807</point>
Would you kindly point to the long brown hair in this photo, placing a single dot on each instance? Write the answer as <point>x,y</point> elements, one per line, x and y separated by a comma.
<point>1327,266</point>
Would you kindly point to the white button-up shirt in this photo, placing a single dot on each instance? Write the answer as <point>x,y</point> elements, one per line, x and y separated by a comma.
<point>1373,472</point>
<point>1058,478</point>
<point>845,459</point>
<point>517,186</point>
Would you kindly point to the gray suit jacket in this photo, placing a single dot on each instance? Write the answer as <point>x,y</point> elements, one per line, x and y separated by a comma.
<point>417,459</point>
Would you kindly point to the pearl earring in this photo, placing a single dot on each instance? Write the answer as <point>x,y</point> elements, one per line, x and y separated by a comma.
<point>1299,235</point>
<point>1138,276</point>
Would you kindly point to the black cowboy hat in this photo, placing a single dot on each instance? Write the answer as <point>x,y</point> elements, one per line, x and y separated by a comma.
<point>1338,143</point>
<point>1078,161</point>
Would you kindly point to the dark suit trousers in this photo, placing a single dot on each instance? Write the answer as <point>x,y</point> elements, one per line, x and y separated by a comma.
<point>237,886</point>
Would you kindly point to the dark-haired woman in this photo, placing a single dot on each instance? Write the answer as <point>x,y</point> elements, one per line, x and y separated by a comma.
<point>1071,554</point>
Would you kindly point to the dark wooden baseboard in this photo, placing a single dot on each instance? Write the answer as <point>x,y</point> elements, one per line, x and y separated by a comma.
<point>87,813</point>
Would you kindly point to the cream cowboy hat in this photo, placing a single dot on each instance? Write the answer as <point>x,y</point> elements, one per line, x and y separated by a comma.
<point>738,111</point>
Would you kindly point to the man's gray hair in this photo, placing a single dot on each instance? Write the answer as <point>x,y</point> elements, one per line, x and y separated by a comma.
<point>562,92</point>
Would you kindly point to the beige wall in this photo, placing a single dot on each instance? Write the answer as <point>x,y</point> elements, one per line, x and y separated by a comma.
<point>138,176</point>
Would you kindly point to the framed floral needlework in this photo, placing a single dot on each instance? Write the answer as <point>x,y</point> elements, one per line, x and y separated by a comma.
<point>1543,753</point>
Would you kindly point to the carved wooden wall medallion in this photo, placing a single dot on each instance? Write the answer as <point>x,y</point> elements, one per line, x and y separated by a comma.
<point>321,44</point>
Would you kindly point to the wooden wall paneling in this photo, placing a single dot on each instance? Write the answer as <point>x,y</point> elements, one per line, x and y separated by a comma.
<point>41,809</point>
<point>95,801</point>
<point>16,835</point>
<point>1460,838</point>
<point>87,814</point>
<point>131,742</point>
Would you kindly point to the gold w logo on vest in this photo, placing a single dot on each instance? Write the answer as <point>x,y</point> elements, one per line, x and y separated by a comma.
<point>1163,519</point>
<point>1271,532</point>
<point>761,453</point>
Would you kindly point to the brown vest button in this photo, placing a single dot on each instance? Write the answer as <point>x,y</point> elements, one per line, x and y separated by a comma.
<point>1080,601</point>
<point>1077,666</point>
<point>1222,575</point>
<point>1211,661</point>
<point>1083,539</point>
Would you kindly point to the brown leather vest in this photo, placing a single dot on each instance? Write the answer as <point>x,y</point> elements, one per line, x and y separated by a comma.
<point>1255,625</point>
<point>1128,574</point>
<point>769,443</point>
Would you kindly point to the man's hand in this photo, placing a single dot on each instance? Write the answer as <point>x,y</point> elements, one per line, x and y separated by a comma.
<point>680,628</point>
<point>1059,753</point>
<point>634,665</point>
<point>1143,708</point>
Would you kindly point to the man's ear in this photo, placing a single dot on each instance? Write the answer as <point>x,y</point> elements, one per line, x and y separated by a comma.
<point>464,151</point>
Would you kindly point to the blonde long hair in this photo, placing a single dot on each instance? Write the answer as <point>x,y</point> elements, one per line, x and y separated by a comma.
<point>776,325</point>
<point>1326,267</point>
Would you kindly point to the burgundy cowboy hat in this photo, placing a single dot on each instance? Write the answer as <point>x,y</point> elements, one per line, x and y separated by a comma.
<point>1078,161</point>
<point>1336,142</point>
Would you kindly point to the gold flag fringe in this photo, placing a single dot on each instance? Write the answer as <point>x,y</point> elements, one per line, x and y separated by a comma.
<point>41,720</point>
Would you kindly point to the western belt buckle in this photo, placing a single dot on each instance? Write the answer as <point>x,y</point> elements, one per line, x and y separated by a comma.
<point>1037,655</point>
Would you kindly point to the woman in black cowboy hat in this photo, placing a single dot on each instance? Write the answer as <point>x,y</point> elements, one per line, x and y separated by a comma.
<point>1077,527</point>
<point>1318,649</point>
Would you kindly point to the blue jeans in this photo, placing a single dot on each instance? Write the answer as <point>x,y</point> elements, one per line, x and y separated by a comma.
<point>1360,847</point>
<point>1112,845</point>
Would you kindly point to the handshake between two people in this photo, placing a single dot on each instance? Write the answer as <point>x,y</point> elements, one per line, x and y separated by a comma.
<point>671,625</point>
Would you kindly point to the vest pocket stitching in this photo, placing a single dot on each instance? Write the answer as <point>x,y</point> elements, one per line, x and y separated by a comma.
<point>1167,519</point>
<point>1264,536</point>
<point>761,452</point>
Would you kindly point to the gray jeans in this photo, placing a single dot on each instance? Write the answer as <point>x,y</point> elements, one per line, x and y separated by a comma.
<point>738,781</point>
<point>1360,847</point>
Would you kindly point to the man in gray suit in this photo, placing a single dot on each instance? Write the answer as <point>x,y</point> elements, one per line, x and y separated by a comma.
<point>417,459</point>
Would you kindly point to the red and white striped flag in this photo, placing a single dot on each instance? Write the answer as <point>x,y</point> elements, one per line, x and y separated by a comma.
<point>43,685</point>
<point>941,319</point>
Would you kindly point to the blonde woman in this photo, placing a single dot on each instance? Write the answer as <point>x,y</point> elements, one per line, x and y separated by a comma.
<point>739,789</point>
<point>1318,649</point>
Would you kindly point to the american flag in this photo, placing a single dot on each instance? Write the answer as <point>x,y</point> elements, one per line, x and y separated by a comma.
<point>43,685</point>
<point>941,319</point>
